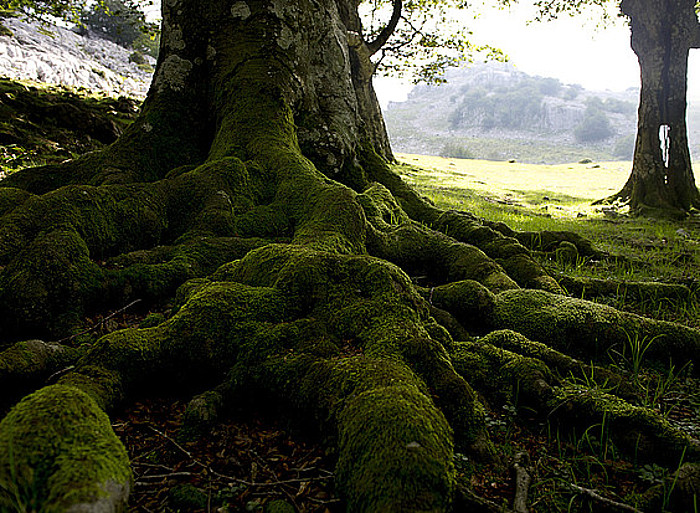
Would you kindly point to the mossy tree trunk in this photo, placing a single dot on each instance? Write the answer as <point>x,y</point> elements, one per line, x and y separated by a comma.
<point>255,184</point>
<point>662,180</point>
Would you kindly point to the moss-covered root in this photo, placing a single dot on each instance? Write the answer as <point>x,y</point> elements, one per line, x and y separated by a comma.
<point>562,364</point>
<point>590,288</point>
<point>394,452</point>
<point>505,250</point>
<point>58,453</point>
<point>197,345</point>
<point>590,330</point>
<point>468,301</point>
<point>25,364</point>
<point>503,376</point>
<point>453,395</point>
<point>422,251</point>
<point>395,449</point>
<point>44,289</point>
<point>49,244</point>
<point>549,241</point>
<point>638,431</point>
<point>678,492</point>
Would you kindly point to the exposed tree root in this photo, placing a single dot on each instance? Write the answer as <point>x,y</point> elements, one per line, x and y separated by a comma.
<point>591,288</point>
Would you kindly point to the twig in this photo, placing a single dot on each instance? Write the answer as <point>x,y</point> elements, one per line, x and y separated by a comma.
<point>209,495</point>
<point>152,465</point>
<point>467,500</point>
<point>164,476</point>
<point>522,482</point>
<point>322,501</point>
<point>101,323</point>
<point>274,476</point>
<point>596,496</point>
<point>59,373</point>
<point>235,479</point>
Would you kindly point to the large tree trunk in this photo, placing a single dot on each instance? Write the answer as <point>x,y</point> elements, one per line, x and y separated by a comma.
<point>252,183</point>
<point>663,31</point>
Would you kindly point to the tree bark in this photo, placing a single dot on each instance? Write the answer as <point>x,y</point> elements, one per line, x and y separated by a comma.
<point>662,180</point>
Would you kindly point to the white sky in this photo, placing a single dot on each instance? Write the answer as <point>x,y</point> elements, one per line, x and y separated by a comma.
<point>570,49</point>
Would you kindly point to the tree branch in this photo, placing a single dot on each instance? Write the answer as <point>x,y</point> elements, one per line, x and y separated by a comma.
<point>386,33</point>
<point>596,496</point>
<point>522,482</point>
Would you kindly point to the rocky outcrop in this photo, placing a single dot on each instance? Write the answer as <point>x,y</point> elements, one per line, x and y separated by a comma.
<point>57,55</point>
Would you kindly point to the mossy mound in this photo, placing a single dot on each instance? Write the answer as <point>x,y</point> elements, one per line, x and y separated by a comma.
<point>58,451</point>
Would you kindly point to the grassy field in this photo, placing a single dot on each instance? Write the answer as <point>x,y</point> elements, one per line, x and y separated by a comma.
<point>574,183</point>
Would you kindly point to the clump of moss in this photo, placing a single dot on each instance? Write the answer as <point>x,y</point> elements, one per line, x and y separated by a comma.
<point>187,498</point>
<point>394,452</point>
<point>279,506</point>
<point>470,302</point>
<point>57,451</point>
<point>636,430</point>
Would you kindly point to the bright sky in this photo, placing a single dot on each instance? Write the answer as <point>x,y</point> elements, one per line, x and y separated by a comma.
<point>570,49</point>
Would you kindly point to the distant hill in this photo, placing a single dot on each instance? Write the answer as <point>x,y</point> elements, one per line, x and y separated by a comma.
<point>494,111</point>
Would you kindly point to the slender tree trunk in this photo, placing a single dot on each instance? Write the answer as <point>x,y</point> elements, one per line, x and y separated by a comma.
<point>662,178</point>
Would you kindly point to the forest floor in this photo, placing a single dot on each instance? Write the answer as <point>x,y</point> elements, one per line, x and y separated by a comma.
<point>251,461</point>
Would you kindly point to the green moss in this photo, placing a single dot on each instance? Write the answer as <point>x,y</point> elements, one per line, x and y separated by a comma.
<point>279,506</point>
<point>104,386</point>
<point>504,376</point>
<point>45,289</point>
<point>381,208</point>
<point>453,395</point>
<point>425,252</point>
<point>588,329</point>
<point>507,251</point>
<point>470,302</point>
<point>219,322</point>
<point>187,498</point>
<point>588,288</point>
<point>446,321</point>
<point>57,450</point>
<point>201,412</point>
<point>394,452</point>
<point>638,431</point>
<point>561,363</point>
<point>24,365</point>
<point>394,444</point>
<point>152,320</point>
<point>551,241</point>
<point>10,198</point>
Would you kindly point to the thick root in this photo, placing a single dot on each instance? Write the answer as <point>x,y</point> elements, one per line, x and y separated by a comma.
<point>591,330</point>
<point>591,288</point>
<point>24,365</point>
<point>58,453</point>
